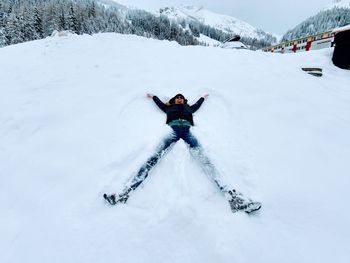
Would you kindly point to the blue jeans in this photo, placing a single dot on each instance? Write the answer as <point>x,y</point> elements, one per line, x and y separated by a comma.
<point>195,150</point>
<point>180,133</point>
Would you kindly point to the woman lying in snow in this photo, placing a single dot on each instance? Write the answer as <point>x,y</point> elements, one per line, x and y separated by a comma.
<point>180,119</point>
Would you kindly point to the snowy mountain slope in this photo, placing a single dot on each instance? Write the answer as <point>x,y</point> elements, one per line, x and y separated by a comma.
<point>112,3</point>
<point>208,41</point>
<point>336,15</point>
<point>74,123</point>
<point>340,4</point>
<point>225,23</point>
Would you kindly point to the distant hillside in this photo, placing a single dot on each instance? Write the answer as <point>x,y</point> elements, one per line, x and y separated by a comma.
<point>251,36</point>
<point>335,16</point>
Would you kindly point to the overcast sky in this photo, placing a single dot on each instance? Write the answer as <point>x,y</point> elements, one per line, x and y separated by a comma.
<point>269,15</point>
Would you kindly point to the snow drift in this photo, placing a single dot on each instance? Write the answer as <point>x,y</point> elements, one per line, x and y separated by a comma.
<point>75,123</point>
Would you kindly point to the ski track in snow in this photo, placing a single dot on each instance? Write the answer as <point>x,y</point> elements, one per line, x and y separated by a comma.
<point>75,123</point>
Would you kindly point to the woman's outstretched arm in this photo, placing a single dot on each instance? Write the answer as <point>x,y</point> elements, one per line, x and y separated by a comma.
<point>157,101</point>
<point>197,105</point>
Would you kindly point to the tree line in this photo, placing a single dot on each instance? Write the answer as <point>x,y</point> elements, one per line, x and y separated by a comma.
<point>322,22</point>
<point>22,21</point>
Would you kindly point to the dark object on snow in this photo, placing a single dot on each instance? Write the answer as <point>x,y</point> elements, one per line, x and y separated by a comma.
<point>178,111</point>
<point>233,43</point>
<point>239,203</point>
<point>111,199</point>
<point>341,54</point>
<point>233,38</point>
<point>317,72</point>
<point>172,100</point>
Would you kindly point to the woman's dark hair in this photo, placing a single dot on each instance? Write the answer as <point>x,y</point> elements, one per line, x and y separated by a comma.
<point>172,100</point>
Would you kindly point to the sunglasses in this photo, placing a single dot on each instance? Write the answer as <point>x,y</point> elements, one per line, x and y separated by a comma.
<point>179,97</point>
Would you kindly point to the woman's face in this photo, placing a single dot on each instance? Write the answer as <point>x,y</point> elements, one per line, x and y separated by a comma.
<point>179,100</point>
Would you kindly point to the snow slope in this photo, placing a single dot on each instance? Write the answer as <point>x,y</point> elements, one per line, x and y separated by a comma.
<point>336,15</point>
<point>75,123</point>
<point>340,4</point>
<point>208,41</point>
<point>224,23</point>
<point>108,3</point>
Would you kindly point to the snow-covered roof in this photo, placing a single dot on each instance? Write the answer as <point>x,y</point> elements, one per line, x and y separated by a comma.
<point>343,28</point>
<point>233,38</point>
<point>234,45</point>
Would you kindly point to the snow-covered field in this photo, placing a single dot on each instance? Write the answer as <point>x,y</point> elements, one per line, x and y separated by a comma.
<point>75,123</point>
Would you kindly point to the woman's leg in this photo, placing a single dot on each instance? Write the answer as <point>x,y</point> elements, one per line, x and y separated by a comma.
<point>150,163</point>
<point>207,166</point>
<point>143,171</point>
<point>236,200</point>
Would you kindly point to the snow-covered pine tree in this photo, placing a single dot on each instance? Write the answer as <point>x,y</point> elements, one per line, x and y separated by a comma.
<point>62,20</point>
<point>72,20</point>
<point>51,18</point>
<point>38,24</point>
<point>174,31</point>
<point>26,24</point>
<point>12,30</point>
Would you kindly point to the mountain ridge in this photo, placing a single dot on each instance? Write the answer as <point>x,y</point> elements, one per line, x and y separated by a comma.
<point>226,23</point>
<point>336,15</point>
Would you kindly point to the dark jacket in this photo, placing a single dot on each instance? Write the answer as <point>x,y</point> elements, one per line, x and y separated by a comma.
<point>178,111</point>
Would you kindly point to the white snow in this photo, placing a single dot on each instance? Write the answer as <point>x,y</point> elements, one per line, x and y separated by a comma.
<point>113,3</point>
<point>234,44</point>
<point>339,4</point>
<point>75,123</point>
<point>208,41</point>
<point>343,28</point>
